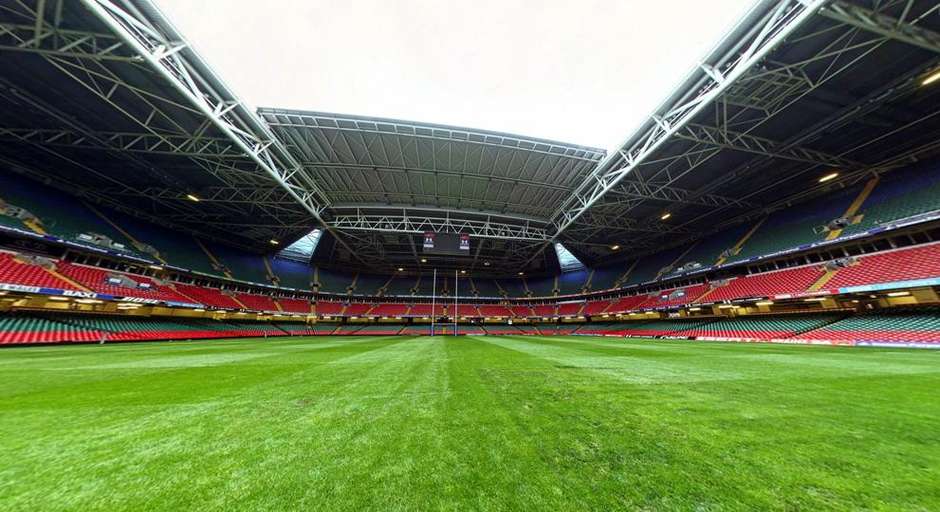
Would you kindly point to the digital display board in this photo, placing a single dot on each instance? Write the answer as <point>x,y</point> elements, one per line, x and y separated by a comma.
<point>450,244</point>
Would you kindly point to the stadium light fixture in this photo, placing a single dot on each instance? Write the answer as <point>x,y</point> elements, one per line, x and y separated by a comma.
<point>400,269</point>
<point>615,247</point>
<point>424,260</point>
<point>463,271</point>
<point>155,267</point>
<point>931,78</point>
<point>665,216</point>
<point>486,263</point>
<point>899,294</point>
<point>521,273</point>
<point>192,197</point>
<point>828,177</point>
<point>695,309</point>
<point>764,303</point>
<point>274,242</point>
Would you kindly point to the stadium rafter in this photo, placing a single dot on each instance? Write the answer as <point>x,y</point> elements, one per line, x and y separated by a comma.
<point>740,108</point>
<point>113,104</point>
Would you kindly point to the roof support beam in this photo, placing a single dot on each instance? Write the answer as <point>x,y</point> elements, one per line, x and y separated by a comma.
<point>727,139</point>
<point>882,24</point>
<point>715,75</point>
<point>165,54</point>
<point>412,224</point>
<point>638,190</point>
<point>40,38</point>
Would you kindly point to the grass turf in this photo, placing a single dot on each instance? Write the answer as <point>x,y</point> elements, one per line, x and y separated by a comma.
<point>490,423</point>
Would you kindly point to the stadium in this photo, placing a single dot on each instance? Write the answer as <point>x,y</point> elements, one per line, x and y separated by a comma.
<point>206,305</point>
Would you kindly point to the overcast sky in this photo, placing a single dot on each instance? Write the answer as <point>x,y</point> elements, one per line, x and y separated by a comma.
<point>583,71</point>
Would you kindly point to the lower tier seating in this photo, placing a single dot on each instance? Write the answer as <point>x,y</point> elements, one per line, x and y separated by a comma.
<point>886,327</point>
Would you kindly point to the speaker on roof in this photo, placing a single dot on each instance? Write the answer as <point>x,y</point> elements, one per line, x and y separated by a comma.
<point>839,223</point>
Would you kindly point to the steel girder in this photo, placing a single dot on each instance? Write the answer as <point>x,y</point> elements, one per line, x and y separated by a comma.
<point>738,141</point>
<point>412,223</point>
<point>899,29</point>
<point>715,75</point>
<point>638,190</point>
<point>203,147</point>
<point>170,57</point>
<point>44,38</point>
<point>767,90</point>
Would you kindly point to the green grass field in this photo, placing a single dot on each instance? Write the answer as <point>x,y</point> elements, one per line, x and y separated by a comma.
<point>484,423</point>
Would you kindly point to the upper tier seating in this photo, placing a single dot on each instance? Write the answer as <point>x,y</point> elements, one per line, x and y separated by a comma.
<point>333,282</point>
<point>425,286</point>
<point>292,274</point>
<point>902,194</point>
<point>61,214</point>
<point>795,226</point>
<point>176,249</point>
<point>401,286</point>
<point>570,283</point>
<point>605,277</point>
<point>541,286</point>
<point>513,287</point>
<point>648,267</point>
<point>789,281</point>
<point>903,265</point>
<point>15,272</point>
<point>244,266</point>
<point>486,287</point>
<point>707,251</point>
<point>369,284</point>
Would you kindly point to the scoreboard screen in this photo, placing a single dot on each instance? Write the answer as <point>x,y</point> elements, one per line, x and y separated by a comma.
<point>450,244</point>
